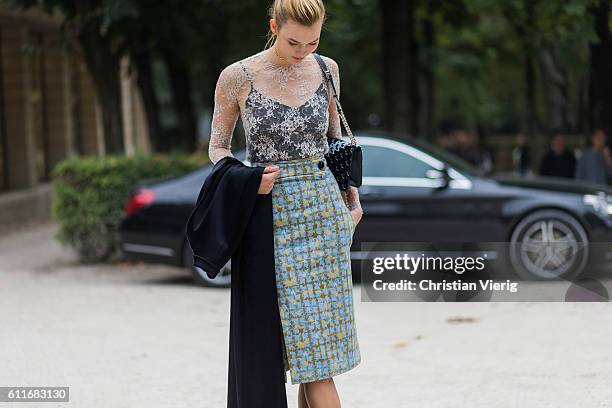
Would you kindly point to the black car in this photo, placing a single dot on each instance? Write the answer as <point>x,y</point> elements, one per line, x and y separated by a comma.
<point>415,192</point>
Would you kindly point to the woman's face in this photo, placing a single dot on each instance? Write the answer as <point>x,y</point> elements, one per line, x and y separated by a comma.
<point>295,41</point>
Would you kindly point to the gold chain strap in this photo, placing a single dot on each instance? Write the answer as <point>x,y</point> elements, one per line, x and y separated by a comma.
<point>330,80</point>
<point>346,126</point>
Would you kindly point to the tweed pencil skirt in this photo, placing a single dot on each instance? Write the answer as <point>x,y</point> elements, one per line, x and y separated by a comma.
<point>313,233</point>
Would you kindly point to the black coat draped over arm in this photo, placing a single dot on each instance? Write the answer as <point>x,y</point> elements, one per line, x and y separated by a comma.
<point>231,221</point>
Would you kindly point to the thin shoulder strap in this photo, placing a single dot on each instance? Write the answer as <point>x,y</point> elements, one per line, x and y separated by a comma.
<point>328,75</point>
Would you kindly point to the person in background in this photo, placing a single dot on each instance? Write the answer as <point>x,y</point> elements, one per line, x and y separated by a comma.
<point>449,142</point>
<point>521,156</point>
<point>484,153</point>
<point>594,162</point>
<point>466,144</point>
<point>608,155</point>
<point>558,160</point>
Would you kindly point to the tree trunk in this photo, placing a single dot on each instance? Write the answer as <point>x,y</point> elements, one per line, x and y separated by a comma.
<point>582,108</point>
<point>530,94</point>
<point>427,82</point>
<point>600,87</point>
<point>180,81</point>
<point>398,68</point>
<point>554,81</point>
<point>530,75</point>
<point>413,72</point>
<point>104,66</point>
<point>143,62</point>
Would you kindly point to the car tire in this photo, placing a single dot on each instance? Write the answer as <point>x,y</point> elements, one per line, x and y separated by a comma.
<point>549,245</point>
<point>222,280</point>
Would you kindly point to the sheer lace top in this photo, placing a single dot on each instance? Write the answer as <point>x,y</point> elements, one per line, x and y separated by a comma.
<point>286,110</point>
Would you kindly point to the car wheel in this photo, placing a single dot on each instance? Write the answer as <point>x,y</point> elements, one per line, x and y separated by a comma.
<point>549,245</point>
<point>222,280</point>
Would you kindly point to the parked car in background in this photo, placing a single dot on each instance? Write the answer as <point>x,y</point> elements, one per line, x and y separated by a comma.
<point>413,192</point>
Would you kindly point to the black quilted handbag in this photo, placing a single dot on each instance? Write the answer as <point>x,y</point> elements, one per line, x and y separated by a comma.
<point>344,159</point>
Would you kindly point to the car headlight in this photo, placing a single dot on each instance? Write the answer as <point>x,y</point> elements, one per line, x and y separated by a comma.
<point>601,202</point>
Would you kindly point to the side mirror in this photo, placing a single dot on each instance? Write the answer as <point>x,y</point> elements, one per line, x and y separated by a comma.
<point>441,175</point>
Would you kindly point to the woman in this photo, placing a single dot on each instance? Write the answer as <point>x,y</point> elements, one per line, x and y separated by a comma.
<point>287,109</point>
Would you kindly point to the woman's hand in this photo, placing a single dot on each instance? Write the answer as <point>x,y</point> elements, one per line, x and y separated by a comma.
<point>357,213</point>
<point>269,176</point>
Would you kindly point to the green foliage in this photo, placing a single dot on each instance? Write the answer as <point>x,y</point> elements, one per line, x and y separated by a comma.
<point>351,37</point>
<point>478,53</point>
<point>89,195</point>
<point>480,63</point>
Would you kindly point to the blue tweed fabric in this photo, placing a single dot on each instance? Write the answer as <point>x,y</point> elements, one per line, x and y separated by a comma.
<point>313,232</point>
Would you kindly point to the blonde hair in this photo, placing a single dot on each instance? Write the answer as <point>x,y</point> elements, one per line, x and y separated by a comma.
<point>305,12</point>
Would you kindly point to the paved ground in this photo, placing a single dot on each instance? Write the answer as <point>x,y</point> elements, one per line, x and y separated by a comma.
<point>133,336</point>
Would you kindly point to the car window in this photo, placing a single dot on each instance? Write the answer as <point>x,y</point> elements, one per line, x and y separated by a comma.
<point>385,162</point>
<point>431,150</point>
<point>449,158</point>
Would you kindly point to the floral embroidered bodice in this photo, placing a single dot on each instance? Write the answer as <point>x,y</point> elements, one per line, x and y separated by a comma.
<point>287,110</point>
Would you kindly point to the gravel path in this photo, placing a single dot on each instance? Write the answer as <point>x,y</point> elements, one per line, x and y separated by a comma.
<point>136,335</point>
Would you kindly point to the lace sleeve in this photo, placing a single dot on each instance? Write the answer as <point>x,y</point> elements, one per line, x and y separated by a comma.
<point>225,113</point>
<point>351,196</point>
<point>334,118</point>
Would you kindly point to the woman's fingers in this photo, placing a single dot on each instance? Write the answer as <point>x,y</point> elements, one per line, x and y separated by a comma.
<point>271,169</point>
<point>269,176</point>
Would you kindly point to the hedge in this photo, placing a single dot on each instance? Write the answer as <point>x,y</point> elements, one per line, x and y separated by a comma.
<point>90,193</point>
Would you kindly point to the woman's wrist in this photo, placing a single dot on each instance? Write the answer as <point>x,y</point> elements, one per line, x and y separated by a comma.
<point>353,198</point>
